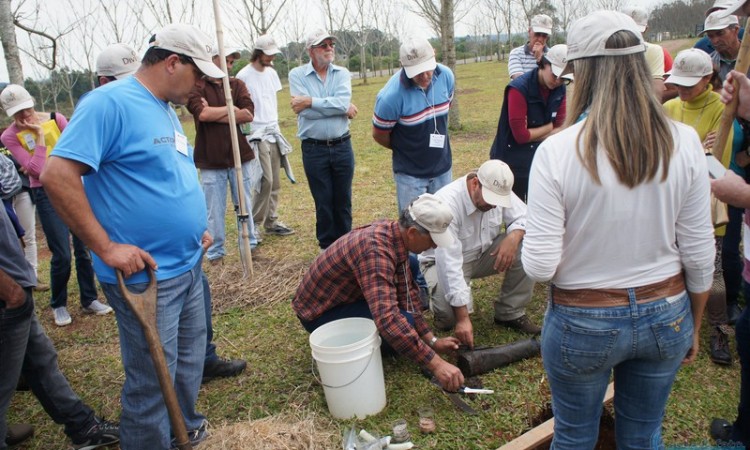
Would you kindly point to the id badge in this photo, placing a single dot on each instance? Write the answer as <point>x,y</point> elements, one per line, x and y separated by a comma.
<point>437,141</point>
<point>181,142</point>
<point>30,141</point>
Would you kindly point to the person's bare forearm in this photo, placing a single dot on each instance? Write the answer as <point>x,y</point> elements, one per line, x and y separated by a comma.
<point>10,292</point>
<point>62,183</point>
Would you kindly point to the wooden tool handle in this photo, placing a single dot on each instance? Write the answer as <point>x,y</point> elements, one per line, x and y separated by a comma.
<point>727,117</point>
<point>143,306</point>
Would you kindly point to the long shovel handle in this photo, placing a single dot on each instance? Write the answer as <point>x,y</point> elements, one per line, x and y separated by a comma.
<point>143,306</point>
<point>727,117</point>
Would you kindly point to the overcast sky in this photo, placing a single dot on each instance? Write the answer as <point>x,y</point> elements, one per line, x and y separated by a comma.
<point>425,31</point>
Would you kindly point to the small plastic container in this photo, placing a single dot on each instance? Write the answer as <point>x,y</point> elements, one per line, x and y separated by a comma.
<point>400,432</point>
<point>426,420</point>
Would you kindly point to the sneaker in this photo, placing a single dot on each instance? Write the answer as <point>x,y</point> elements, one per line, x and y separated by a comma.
<point>522,324</point>
<point>222,368</point>
<point>101,433</point>
<point>280,230</point>
<point>62,317</point>
<point>719,348</point>
<point>18,433</point>
<point>41,287</point>
<point>98,308</point>
<point>720,430</point>
<point>195,436</point>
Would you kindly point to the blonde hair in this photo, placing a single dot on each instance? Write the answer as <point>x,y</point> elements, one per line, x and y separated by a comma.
<point>625,118</point>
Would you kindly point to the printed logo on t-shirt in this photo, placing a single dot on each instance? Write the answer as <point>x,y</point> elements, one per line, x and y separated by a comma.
<point>164,140</point>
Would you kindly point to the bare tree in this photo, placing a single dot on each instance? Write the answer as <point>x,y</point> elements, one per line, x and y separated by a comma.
<point>363,19</point>
<point>501,13</point>
<point>294,31</point>
<point>122,24</point>
<point>338,15</point>
<point>441,15</point>
<point>86,14</point>
<point>254,18</point>
<point>568,11</point>
<point>10,45</point>
<point>612,5</point>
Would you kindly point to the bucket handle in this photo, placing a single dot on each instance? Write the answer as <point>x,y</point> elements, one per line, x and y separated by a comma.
<point>319,380</point>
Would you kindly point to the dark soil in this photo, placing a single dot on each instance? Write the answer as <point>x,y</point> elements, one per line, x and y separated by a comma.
<point>606,429</point>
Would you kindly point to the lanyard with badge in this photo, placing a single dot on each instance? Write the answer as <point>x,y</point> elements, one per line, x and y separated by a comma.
<point>437,140</point>
<point>180,140</point>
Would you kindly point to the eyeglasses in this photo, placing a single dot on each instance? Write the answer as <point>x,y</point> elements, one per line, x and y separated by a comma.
<point>325,45</point>
<point>564,81</point>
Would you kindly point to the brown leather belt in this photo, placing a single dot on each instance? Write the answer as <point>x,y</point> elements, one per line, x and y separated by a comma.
<point>604,298</point>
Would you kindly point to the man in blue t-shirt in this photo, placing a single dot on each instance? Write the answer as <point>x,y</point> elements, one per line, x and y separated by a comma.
<point>142,206</point>
<point>411,118</point>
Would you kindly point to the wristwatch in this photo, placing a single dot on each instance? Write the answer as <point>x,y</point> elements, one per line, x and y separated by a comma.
<point>432,341</point>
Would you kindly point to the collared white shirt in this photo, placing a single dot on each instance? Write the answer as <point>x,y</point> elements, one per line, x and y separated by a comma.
<point>473,232</point>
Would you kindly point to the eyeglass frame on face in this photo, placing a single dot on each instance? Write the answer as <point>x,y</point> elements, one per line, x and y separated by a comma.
<point>325,45</point>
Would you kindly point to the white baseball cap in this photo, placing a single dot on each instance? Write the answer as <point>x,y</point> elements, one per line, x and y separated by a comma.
<point>434,216</point>
<point>541,23</point>
<point>689,67</point>
<point>14,98</point>
<point>496,179</point>
<point>587,36</point>
<point>188,41</point>
<point>267,45</point>
<point>731,8</point>
<point>417,56</point>
<point>717,20</point>
<point>318,36</point>
<point>639,15</point>
<point>558,59</point>
<point>228,51</point>
<point>117,60</point>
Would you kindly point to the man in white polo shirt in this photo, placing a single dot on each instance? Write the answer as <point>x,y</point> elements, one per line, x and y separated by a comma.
<point>488,225</point>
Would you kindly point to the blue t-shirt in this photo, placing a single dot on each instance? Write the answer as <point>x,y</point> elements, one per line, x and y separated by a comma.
<point>411,115</point>
<point>143,191</point>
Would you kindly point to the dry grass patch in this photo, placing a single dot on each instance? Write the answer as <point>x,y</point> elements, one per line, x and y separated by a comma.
<point>281,432</point>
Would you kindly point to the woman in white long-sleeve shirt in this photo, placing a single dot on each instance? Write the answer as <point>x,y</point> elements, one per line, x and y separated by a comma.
<point>619,221</point>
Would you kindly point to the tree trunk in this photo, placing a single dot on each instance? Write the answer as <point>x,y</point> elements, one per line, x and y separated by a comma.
<point>363,63</point>
<point>448,41</point>
<point>10,46</point>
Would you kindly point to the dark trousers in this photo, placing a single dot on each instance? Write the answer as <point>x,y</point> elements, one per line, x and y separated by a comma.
<point>330,170</point>
<point>58,241</point>
<point>741,427</point>
<point>731,261</point>
<point>26,349</point>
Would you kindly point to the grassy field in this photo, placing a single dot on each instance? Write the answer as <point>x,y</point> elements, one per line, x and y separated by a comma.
<point>253,320</point>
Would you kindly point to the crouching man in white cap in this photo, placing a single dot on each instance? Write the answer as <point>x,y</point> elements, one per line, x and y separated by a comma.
<point>488,224</point>
<point>366,273</point>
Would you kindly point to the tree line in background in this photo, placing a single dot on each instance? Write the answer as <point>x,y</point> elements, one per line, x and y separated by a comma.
<point>60,40</point>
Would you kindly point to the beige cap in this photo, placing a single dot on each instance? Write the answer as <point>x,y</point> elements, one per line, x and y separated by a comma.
<point>228,51</point>
<point>188,41</point>
<point>587,36</point>
<point>496,179</point>
<point>318,36</point>
<point>434,216</point>
<point>117,60</point>
<point>267,45</point>
<point>14,98</point>
<point>717,20</point>
<point>689,67</point>
<point>417,56</point>
<point>639,15</point>
<point>731,7</point>
<point>541,23</point>
<point>558,59</point>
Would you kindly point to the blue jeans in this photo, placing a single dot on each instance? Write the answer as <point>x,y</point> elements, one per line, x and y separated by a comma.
<point>643,344</point>
<point>214,184</point>
<point>181,323</point>
<point>358,308</point>
<point>26,349</point>
<point>330,170</point>
<point>58,241</point>
<point>408,187</point>
<point>210,346</point>
<point>741,427</point>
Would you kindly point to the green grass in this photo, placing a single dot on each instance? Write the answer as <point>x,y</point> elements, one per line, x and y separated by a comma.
<point>266,333</point>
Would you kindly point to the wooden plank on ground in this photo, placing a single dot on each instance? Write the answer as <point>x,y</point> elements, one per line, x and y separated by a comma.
<point>543,433</point>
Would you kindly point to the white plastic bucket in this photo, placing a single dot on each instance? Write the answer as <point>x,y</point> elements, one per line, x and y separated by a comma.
<point>347,353</point>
